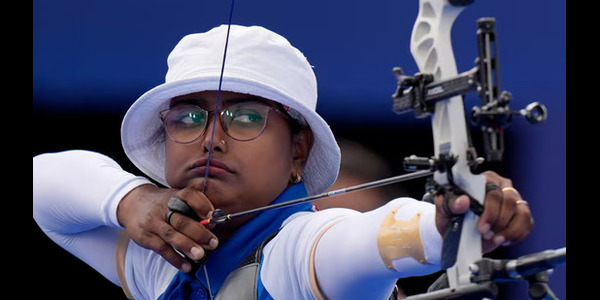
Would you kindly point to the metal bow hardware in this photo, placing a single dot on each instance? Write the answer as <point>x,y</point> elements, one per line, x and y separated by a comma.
<point>437,91</point>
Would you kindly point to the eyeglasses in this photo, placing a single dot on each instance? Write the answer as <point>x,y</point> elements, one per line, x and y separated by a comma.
<point>245,121</point>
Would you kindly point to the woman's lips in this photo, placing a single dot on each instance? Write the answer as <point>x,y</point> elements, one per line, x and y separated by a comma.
<point>215,168</point>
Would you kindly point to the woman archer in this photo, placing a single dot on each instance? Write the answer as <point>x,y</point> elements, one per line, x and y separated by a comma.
<point>233,142</point>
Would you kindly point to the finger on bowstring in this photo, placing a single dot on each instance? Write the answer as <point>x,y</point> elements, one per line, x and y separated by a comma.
<point>197,201</point>
<point>177,240</point>
<point>158,245</point>
<point>195,231</point>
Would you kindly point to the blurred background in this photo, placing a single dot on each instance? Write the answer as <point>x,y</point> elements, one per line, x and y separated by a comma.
<point>92,59</point>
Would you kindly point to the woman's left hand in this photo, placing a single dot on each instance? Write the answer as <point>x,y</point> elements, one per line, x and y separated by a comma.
<point>506,218</point>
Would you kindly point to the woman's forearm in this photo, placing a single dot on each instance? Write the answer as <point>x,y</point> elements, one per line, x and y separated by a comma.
<point>75,196</point>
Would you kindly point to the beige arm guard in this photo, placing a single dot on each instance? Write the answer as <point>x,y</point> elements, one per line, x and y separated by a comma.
<point>362,256</point>
<point>122,244</point>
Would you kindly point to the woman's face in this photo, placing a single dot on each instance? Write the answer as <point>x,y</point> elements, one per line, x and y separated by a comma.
<point>242,174</point>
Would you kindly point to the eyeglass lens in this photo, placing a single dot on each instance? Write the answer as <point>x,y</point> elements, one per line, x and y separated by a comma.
<point>242,121</point>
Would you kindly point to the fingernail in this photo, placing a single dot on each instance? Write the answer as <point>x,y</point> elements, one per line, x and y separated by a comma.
<point>499,239</point>
<point>213,243</point>
<point>488,234</point>
<point>186,267</point>
<point>484,228</point>
<point>462,202</point>
<point>197,253</point>
<point>209,214</point>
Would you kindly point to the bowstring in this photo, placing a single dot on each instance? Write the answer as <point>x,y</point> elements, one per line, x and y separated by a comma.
<point>212,135</point>
<point>216,113</point>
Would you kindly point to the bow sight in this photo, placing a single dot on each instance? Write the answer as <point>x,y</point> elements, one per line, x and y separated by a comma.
<point>420,93</point>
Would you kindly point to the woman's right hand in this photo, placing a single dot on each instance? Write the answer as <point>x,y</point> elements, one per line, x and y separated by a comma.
<point>142,212</point>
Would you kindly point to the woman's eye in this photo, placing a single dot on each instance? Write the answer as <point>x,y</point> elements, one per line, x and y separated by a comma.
<point>248,118</point>
<point>191,118</point>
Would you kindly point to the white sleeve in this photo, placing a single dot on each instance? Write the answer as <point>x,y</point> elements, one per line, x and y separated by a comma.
<point>285,271</point>
<point>356,255</point>
<point>148,274</point>
<point>75,199</point>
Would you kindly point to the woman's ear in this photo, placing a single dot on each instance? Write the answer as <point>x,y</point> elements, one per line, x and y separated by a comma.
<point>301,143</point>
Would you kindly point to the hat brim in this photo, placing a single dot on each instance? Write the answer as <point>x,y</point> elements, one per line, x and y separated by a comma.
<point>143,140</point>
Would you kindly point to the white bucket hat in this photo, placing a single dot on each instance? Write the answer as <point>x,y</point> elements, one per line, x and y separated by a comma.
<point>259,62</point>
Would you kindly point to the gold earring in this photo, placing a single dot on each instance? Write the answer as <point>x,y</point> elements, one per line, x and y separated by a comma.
<point>295,178</point>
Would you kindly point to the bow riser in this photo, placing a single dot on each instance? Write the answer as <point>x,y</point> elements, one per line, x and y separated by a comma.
<point>431,48</point>
<point>431,36</point>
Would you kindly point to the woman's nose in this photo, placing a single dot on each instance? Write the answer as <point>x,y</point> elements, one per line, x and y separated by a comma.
<point>215,136</point>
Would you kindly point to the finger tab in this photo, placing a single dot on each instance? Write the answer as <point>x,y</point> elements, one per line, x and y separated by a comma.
<point>179,205</point>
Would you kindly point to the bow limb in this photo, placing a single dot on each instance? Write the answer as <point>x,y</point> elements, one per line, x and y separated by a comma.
<point>431,48</point>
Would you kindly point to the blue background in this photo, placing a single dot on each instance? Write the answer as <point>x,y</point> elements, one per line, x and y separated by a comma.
<point>95,57</point>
